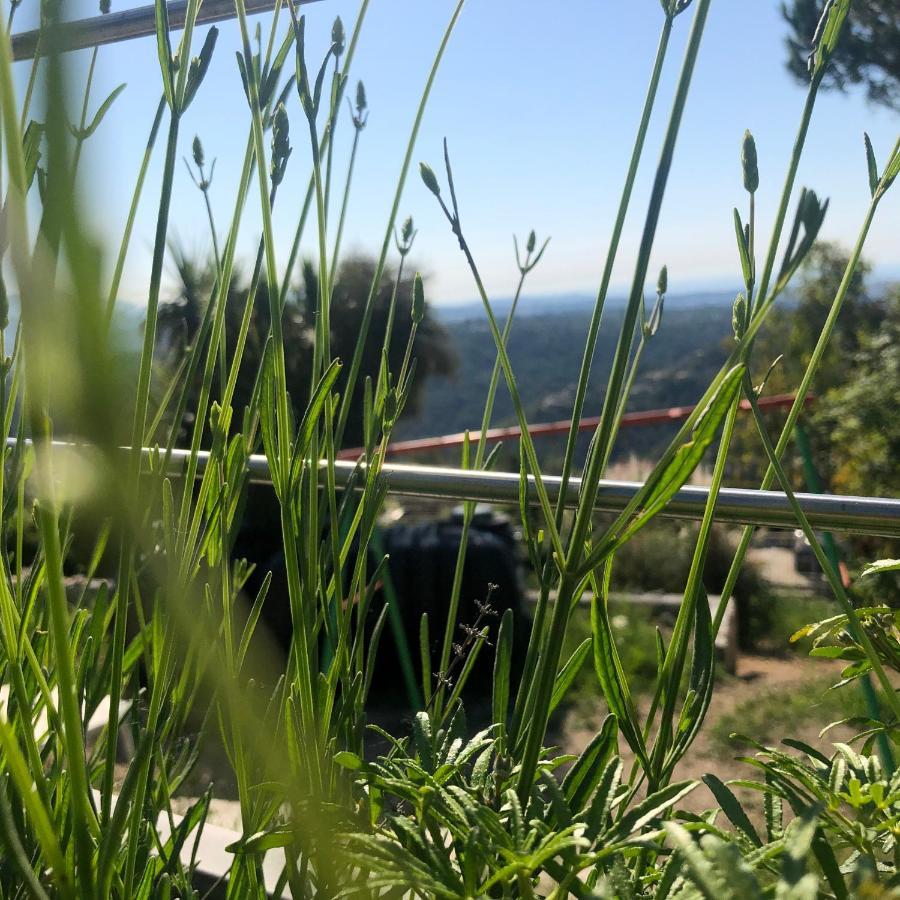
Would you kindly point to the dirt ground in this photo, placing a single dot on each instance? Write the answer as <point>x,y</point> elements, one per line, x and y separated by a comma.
<point>755,677</point>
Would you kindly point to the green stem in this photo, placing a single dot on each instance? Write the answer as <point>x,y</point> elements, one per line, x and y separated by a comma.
<point>669,679</point>
<point>126,556</point>
<point>79,142</point>
<point>834,579</point>
<point>212,228</point>
<point>343,214</point>
<point>331,125</point>
<point>37,413</point>
<point>369,308</point>
<point>32,78</point>
<point>212,327</point>
<point>322,347</point>
<point>282,417</point>
<point>307,202</point>
<point>829,544</point>
<point>469,507</point>
<point>778,226</point>
<point>673,665</point>
<point>629,384</point>
<point>132,212</point>
<point>506,366</point>
<point>545,672</point>
<point>70,708</point>
<point>590,347</point>
<point>612,252</point>
<point>799,401</point>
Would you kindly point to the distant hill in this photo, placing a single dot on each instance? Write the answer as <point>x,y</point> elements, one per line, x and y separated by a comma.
<point>545,350</point>
<point>572,303</point>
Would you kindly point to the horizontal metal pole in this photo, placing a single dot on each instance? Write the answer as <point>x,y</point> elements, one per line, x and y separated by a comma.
<point>874,516</point>
<point>858,515</point>
<point>127,24</point>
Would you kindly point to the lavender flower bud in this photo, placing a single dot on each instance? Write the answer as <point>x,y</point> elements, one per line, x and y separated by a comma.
<point>749,163</point>
<point>430,179</point>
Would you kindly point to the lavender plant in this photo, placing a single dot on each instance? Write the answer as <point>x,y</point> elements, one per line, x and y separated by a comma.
<point>170,647</point>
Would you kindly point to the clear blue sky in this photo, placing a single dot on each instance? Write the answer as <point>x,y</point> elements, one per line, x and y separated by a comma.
<point>540,102</point>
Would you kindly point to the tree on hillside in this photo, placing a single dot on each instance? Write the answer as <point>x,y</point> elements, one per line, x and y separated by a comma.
<point>862,311</point>
<point>854,432</point>
<point>180,318</point>
<point>791,333</point>
<point>868,52</point>
<point>859,415</point>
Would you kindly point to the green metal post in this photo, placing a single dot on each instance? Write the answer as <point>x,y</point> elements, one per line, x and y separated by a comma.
<point>814,485</point>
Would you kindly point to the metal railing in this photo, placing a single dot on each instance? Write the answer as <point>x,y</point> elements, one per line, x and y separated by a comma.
<point>875,516</point>
<point>125,25</point>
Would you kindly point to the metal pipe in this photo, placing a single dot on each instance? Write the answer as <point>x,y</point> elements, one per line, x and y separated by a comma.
<point>857,515</point>
<point>125,25</point>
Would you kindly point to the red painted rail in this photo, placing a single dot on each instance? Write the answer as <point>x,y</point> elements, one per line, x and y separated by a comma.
<point>629,420</point>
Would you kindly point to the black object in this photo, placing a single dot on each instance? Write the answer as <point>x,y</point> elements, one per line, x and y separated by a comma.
<point>422,561</point>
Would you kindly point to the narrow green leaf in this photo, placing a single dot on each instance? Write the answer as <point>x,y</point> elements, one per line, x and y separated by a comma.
<point>700,686</point>
<point>891,170</point>
<point>425,657</point>
<point>102,111</point>
<point>267,414</point>
<point>253,619</point>
<point>830,867</point>
<point>164,51</point>
<point>567,673</point>
<point>743,249</point>
<point>798,839</point>
<point>372,651</point>
<point>773,813</point>
<point>648,809</point>
<point>311,418</point>
<point>614,683</point>
<point>502,668</point>
<point>670,476</point>
<point>872,165</point>
<point>710,884</point>
<point>585,775</point>
<point>348,760</point>
<point>732,808</point>
<point>881,565</point>
<point>599,808</point>
<point>828,33</point>
<point>262,841</point>
<point>199,66</point>
<point>31,152</point>
<point>423,740</point>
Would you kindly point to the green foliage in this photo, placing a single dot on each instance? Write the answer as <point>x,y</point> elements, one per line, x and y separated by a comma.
<point>849,805</point>
<point>866,55</point>
<point>851,413</point>
<point>180,321</point>
<point>777,711</point>
<point>791,335</point>
<point>671,546</point>
<point>453,825</point>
